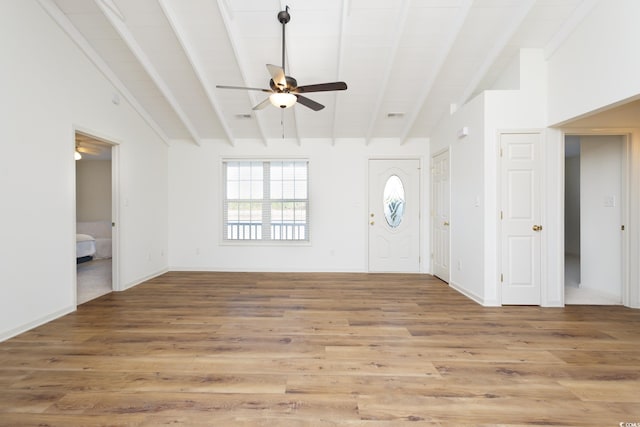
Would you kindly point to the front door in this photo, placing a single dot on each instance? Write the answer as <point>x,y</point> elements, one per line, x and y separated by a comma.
<point>440,215</point>
<point>394,215</point>
<point>520,218</point>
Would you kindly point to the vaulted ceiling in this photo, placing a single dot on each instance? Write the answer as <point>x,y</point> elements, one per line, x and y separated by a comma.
<point>404,61</point>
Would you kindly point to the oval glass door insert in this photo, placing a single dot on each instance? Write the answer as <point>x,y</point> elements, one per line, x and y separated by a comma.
<point>393,200</point>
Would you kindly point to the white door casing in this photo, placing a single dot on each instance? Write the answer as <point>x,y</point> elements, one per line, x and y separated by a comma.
<point>394,240</point>
<point>521,229</point>
<point>440,215</point>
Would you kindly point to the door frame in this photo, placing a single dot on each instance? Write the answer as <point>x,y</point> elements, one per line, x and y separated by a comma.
<point>421,209</point>
<point>625,202</point>
<point>543,209</point>
<point>432,224</point>
<point>115,207</point>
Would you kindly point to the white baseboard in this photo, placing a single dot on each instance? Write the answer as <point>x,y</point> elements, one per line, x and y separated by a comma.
<point>34,324</point>
<point>263,270</point>
<point>143,279</point>
<point>467,293</point>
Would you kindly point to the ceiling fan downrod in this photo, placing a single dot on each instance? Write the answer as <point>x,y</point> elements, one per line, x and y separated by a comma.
<point>284,18</point>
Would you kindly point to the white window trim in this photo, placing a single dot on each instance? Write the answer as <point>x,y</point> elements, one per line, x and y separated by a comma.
<point>262,242</point>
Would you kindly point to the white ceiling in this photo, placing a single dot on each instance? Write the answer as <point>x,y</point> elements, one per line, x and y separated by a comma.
<point>624,116</point>
<point>414,57</point>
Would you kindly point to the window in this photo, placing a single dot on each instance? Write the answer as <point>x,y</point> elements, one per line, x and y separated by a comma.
<point>393,201</point>
<point>266,200</point>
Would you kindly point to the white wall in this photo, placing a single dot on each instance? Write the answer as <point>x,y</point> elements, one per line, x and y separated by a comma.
<point>48,88</point>
<point>510,77</point>
<point>593,70</point>
<point>93,190</point>
<point>467,197</point>
<point>474,178</point>
<point>510,110</point>
<point>338,206</point>
<point>597,65</point>
<point>601,217</point>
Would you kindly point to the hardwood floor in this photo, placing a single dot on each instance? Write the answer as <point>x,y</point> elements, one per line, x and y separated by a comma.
<point>243,349</point>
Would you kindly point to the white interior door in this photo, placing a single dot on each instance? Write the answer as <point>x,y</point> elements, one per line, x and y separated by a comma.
<point>440,215</point>
<point>520,224</point>
<point>394,215</point>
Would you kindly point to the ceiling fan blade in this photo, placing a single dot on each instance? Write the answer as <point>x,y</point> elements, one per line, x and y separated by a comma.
<point>321,87</point>
<point>244,88</point>
<point>88,150</point>
<point>315,106</point>
<point>277,75</point>
<point>262,105</point>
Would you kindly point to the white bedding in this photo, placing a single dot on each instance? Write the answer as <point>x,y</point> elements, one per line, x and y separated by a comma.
<point>101,232</point>
<point>85,245</point>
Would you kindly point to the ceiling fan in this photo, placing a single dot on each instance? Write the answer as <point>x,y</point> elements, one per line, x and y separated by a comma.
<point>285,91</point>
<point>89,146</point>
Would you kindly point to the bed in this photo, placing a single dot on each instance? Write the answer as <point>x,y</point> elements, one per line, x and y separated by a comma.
<point>101,233</point>
<point>85,248</point>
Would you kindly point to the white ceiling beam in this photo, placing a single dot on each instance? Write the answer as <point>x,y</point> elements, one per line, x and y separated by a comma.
<point>346,11</point>
<point>400,26</point>
<point>440,59</point>
<point>148,66</point>
<point>501,42</point>
<point>114,8</point>
<point>578,15</point>
<point>63,22</point>
<point>234,36</point>
<point>180,33</point>
<point>295,124</point>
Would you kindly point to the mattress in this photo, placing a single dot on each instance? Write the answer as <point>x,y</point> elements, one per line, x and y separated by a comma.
<point>101,231</point>
<point>85,245</point>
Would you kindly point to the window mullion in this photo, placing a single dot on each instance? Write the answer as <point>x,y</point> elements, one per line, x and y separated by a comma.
<point>225,203</point>
<point>266,201</point>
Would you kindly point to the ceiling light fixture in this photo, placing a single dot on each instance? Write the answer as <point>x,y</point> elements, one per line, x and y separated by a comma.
<point>283,99</point>
<point>77,155</point>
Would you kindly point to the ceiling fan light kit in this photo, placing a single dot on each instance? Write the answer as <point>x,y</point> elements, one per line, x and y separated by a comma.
<point>283,99</point>
<point>284,90</point>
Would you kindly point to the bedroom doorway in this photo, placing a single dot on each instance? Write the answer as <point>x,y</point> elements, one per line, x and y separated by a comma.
<point>94,217</point>
<point>594,208</point>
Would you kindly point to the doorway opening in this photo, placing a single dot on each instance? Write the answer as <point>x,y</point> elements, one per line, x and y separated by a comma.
<point>94,217</point>
<point>595,203</point>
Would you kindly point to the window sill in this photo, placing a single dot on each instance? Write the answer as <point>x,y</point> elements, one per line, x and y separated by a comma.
<point>258,243</point>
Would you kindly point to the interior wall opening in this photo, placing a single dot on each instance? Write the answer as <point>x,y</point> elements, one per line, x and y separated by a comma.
<point>94,236</point>
<point>594,202</point>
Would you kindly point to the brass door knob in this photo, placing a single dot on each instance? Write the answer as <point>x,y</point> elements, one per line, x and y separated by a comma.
<point>537,228</point>
<point>372,222</point>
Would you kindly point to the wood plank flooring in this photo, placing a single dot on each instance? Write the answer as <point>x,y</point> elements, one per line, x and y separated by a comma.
<point>376,350</point>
